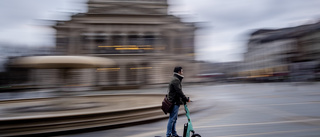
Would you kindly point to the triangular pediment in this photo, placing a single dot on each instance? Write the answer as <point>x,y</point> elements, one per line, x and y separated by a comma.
<point>125,10</point>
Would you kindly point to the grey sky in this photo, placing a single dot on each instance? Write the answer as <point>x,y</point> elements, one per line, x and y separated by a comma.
<point>222,36</point>
<point>230,22</point>
<point>22,21</point>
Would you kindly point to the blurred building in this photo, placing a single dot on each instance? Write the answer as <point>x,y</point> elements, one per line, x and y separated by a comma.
<point>219,71</point>
<point>17,76</point>
<point>8,51</point>
<point>139,35</point>
<point>283,53</point>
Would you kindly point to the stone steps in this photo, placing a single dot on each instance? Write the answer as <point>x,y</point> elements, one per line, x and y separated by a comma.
<point>139,112</point>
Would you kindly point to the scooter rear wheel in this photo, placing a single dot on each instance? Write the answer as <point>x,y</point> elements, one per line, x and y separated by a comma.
<point>196,135</point>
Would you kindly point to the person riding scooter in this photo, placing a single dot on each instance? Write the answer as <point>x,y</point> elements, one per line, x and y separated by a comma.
<point>177,98</point>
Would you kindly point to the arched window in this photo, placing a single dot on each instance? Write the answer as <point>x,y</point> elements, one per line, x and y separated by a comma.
<point>133,40</point>
<point>100,39</point>
<point>117,40</point>
<point>149,40</point>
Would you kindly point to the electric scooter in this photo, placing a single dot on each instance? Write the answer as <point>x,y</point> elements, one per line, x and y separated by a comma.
<point>188,126</point>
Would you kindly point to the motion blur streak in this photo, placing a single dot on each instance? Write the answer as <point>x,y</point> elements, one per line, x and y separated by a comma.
<point>251,68</point>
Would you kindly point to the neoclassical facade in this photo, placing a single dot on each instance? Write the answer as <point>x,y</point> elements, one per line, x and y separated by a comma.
<point>284,54</point>
<point>139,35</point>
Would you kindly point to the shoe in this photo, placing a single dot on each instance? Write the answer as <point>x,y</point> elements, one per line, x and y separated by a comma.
<point>176,136</point>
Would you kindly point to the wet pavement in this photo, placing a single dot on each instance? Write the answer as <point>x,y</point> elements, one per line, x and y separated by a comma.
<point>241,110</point>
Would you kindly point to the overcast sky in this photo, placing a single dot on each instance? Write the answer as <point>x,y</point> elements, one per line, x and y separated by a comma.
<point>223,32</point>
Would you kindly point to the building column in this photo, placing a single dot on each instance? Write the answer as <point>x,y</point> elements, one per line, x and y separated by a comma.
<point>34,77</point>
<point>139,74</point>
<point>140,39</point>
<point>153,74</point>
<point>158,45</point>
<point>109,42</point>
<point>72,47</point>
<point>125,39</point>
<point>95,75</point>
<point>122,74</point>
<point>171,42</point>
<point>102,78</point>
<point>91,43</point>
<point>99,78</point>
<point>106,78</point>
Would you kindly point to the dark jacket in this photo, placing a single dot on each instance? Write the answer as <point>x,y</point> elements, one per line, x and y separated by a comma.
<point>175,94</point>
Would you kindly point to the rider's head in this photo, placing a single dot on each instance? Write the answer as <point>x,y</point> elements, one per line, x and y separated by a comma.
<point>178,70</point>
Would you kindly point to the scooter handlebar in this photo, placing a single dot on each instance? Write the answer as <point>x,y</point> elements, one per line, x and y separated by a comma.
<point>188,101</point>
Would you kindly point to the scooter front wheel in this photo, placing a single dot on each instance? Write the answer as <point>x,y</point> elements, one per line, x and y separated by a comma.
<point>196,135</point>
